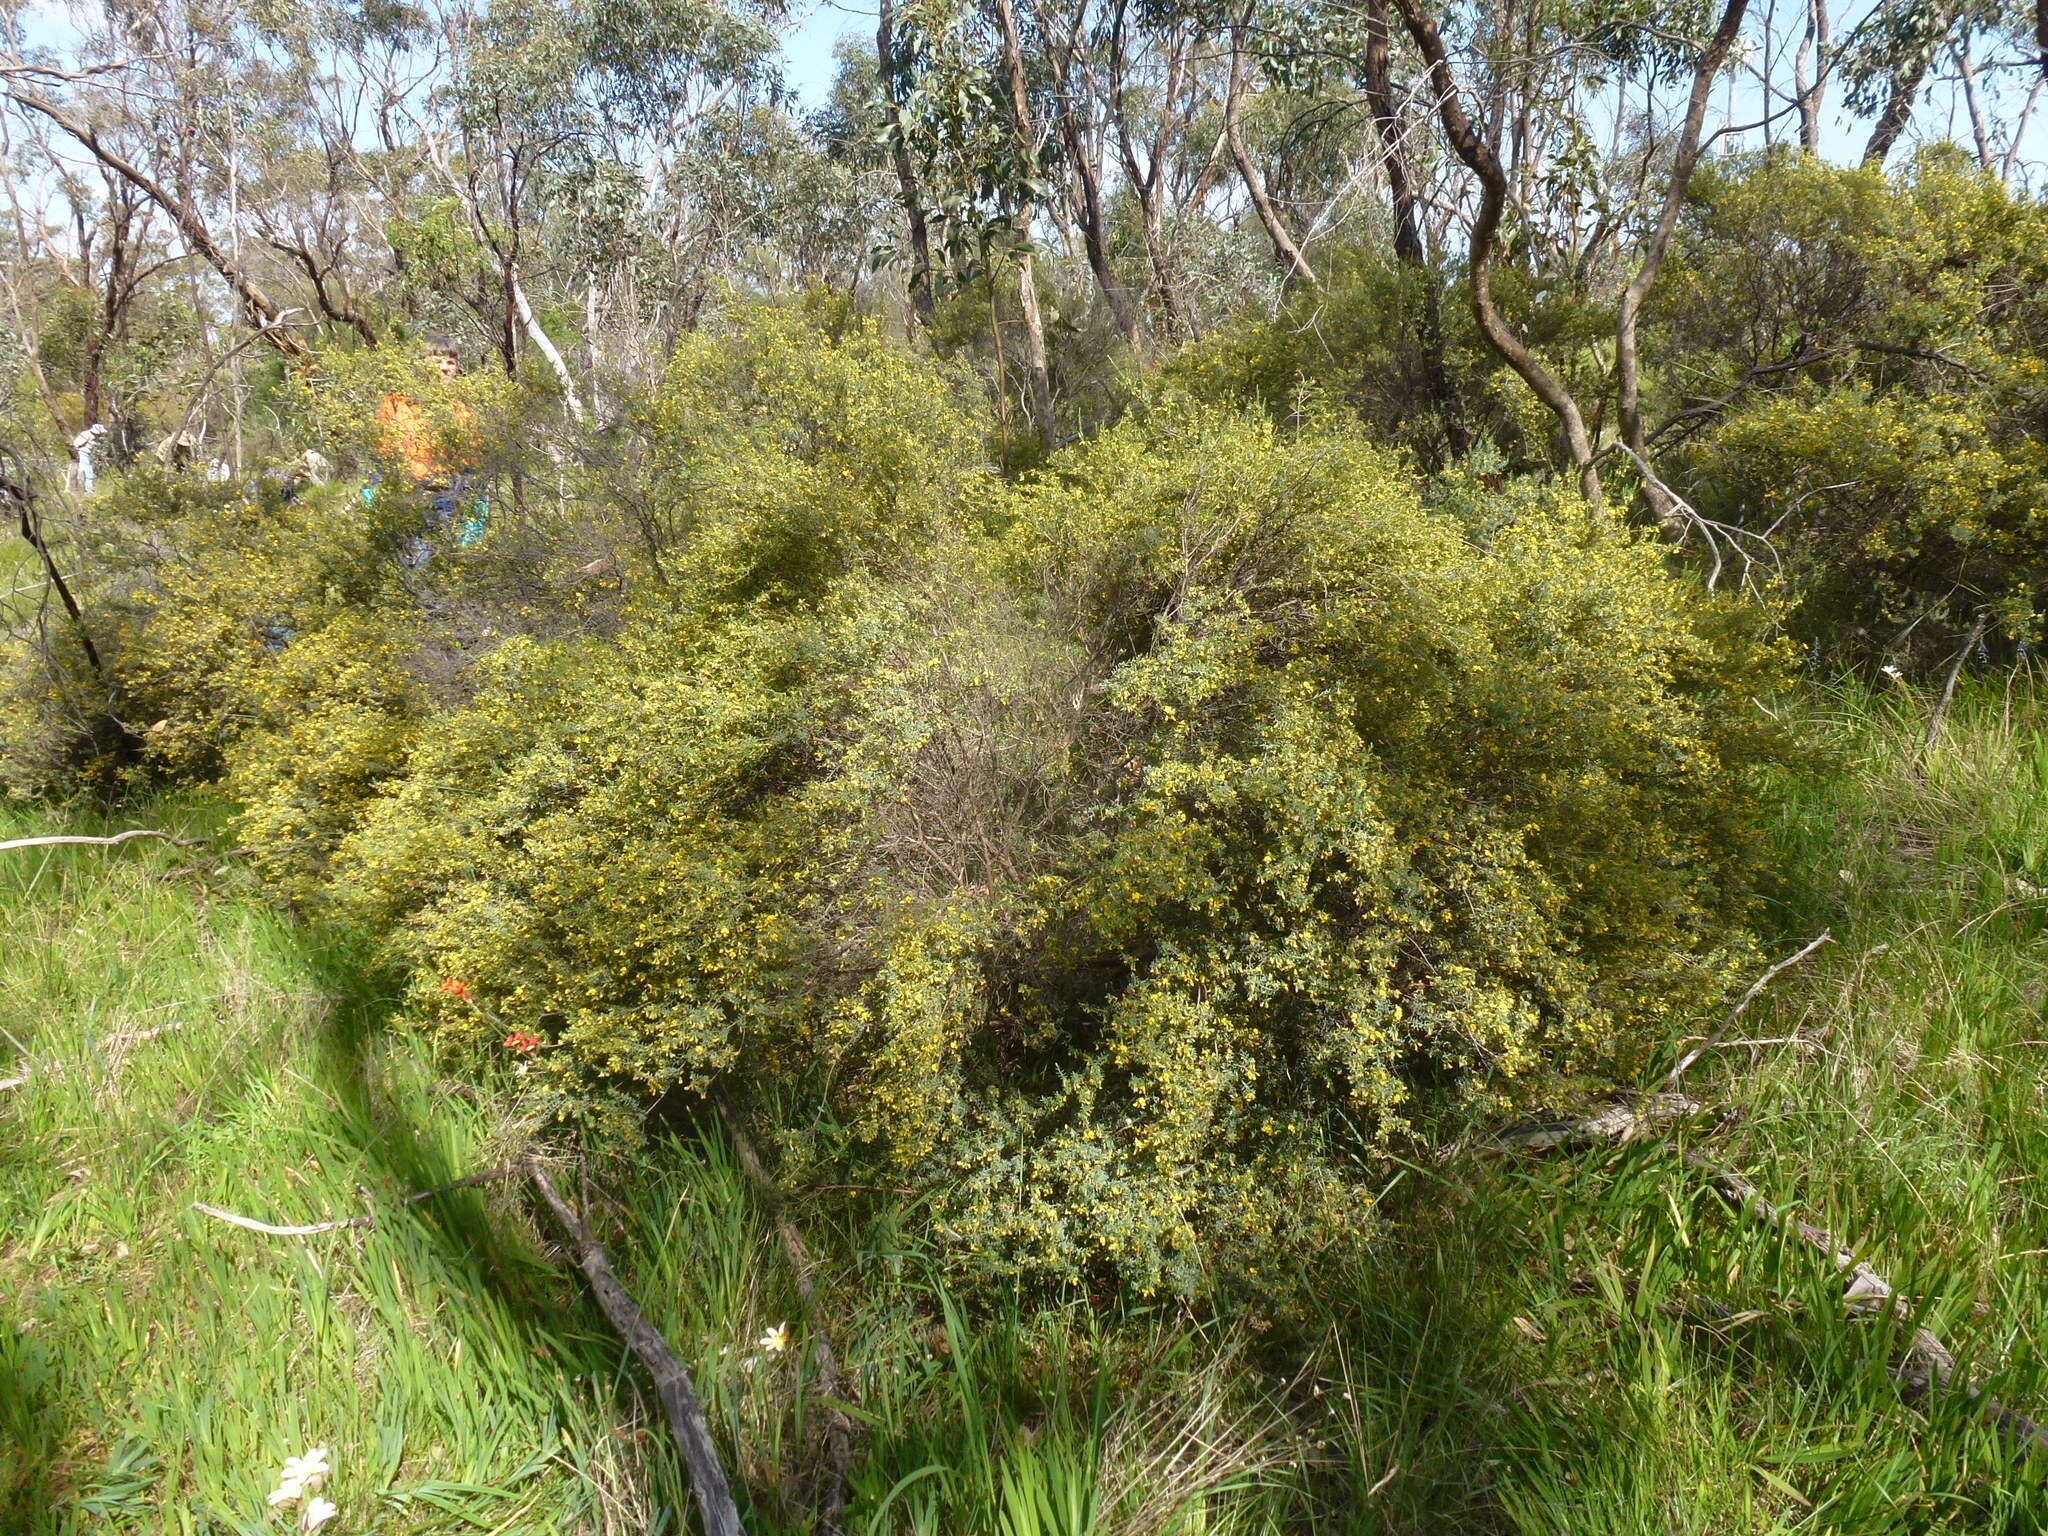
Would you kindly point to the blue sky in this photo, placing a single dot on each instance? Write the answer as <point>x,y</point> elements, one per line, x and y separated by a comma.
<point>807,62</point>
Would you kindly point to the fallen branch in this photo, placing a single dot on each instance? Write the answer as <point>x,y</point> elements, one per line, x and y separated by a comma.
<point>366,1221</point>
<point>671,1382</point>
<point>250,1224</point>
<point>1636,1117</point>
<point>831,1381</point>
<point>67,839</point>
<point>488,1176</point>
<point>1685,1062</point>
<point>1925,1366</point>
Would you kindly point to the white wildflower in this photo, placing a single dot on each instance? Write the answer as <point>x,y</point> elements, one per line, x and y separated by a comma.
<point>318,1512</point>
<point>301,1475</point>
<point>776,1339</point>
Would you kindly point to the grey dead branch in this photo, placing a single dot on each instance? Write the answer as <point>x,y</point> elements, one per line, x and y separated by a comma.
<point>1719,1036</point>
<point>65,840</point>
<point>672,1383</point>
<point>1924,1367</point>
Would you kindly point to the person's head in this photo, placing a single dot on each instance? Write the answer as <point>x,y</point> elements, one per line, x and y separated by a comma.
<point>441,355</point>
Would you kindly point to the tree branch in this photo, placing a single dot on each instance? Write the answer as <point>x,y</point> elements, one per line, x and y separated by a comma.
<point>268,319</point>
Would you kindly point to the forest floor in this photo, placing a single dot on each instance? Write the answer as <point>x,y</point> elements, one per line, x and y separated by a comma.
<point>1589,1342</point>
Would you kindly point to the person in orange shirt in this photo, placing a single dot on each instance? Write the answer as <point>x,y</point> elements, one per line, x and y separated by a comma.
<point>405,435</point>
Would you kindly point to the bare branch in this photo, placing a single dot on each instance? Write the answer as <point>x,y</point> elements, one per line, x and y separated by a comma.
<point>1685,1062</point>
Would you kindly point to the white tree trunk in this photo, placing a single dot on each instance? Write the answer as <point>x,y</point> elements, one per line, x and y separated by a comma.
<point>548,349</point>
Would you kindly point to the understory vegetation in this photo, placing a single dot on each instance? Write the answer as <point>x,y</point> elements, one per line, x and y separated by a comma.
<point>1134,858</point>
<point>1205,770</point>
<point>1589,1341</point>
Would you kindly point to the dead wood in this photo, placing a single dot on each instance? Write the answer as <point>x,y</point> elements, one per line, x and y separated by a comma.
<point>1633,1118</point>
<point>250,1224</point>
<point>366,1221</point>
<point>1685,1062</point>
<point>672,1383</point>
<point>114,1048</point>
<point>1925,1366</point>
<point>70,840</point>
<point>1948,692</point>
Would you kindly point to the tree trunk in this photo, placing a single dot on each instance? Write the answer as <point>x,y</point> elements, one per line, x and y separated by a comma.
<point>1409,249</point>
<point>548,349</point>
<point>907,192</point>
<point>1980,130</point>
<point>1292,263</point>
<point>1479,158</point>
<point>1813,48</point>
<point>1087,183</point>
<point>269,320</point>
<point>1898,108</point>
<point>1147,183</point>
<point>1037,366</point>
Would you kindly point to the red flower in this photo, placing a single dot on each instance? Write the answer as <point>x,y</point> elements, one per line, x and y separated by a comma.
<point>456,987</point>
<point>519,1040</point>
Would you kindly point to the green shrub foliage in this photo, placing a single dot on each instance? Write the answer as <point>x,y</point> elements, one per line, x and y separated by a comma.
<point>1133,858</point>
<point>1864,371</point>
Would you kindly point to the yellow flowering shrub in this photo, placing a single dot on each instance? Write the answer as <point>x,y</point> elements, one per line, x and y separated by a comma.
<point>1132,858</point>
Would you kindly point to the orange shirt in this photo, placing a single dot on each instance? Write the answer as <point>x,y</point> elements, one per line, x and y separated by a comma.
<point>405,434</point>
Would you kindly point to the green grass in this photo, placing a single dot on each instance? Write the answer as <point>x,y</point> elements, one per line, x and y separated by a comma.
<point>1578,1344</point>
<point>1596,1344</point>
<point>157,1366</point>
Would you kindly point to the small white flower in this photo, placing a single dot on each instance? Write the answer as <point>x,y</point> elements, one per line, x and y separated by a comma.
<point>318,1512</point>
<point>776,1339</point>
<point>301,1475</point>
<point>1891,671</point>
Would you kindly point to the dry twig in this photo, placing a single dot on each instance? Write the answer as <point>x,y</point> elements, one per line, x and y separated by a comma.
<point>72,839</point>
<point>1948,692</point>
<point>250,1224</point>
<point>1685,1062</point>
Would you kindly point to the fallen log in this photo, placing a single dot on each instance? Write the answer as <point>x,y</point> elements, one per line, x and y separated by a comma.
<point>1924,1367</point>
<point>685,1414</point>
<point>671,1382</point>
<point>310,1229</point>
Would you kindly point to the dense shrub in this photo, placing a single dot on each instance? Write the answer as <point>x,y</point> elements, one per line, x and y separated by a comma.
<point>1902,523</point>
<point>212,607</point>
<point>1862,365</point>
<point>1132,858</point>
<point>1127,856</point>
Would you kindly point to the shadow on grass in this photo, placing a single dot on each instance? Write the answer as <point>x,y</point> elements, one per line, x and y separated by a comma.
<point>478,1233</point>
